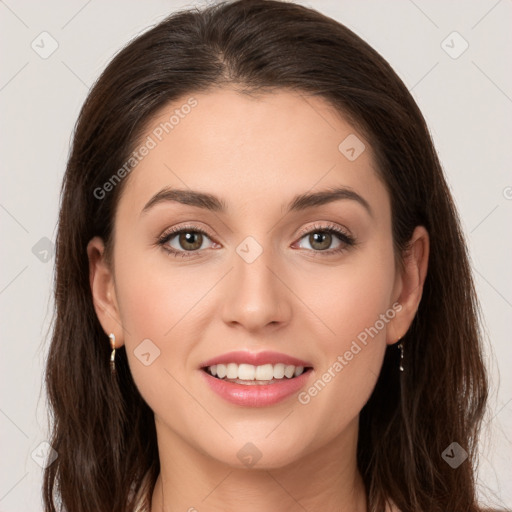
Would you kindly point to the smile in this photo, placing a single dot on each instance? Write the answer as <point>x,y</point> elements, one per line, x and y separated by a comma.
<point>248,374</point>
<point>255,392</point>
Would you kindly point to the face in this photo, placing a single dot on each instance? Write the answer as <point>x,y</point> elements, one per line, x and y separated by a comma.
<point>255,271</point>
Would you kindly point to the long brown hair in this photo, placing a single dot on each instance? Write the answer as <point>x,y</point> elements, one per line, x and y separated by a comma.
<point>102,429</point>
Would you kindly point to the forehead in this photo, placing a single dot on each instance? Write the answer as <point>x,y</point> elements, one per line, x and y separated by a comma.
<point>249,148</point>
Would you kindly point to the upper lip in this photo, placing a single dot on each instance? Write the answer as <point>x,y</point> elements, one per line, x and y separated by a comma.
<point>255,358</point>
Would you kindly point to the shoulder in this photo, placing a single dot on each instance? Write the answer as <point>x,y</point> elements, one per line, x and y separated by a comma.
<point>391,507</point>
<point>141,506</point>
<point>140,495</point>
<point>141,503</point>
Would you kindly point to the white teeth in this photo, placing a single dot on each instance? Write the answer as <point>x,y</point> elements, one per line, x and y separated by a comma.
<point>265,372</point>
<point>278,371</point>
<point>232,371</point>
<point>221,371</point>
<point>246,372</point>
<point>289,371</point>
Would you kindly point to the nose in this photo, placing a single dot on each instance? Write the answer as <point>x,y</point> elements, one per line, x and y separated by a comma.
<point>256,296</point>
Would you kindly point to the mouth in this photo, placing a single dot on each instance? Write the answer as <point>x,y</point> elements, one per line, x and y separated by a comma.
<point>251,375</point>
<point>256,379</point>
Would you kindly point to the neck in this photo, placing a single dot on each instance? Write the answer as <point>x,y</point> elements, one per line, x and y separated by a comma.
<point>324,479</point>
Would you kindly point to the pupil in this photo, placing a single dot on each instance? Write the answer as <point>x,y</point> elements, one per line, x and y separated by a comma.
<point>321,237</point>
<point>188,238</point>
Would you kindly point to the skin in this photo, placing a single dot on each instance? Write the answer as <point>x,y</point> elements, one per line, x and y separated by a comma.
<point>255,153</point>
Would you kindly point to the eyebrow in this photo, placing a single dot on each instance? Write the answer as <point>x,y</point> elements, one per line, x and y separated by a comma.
<point>215,204</point>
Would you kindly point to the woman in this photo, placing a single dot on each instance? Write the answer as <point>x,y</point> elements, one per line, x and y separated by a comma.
<point>256,235</point>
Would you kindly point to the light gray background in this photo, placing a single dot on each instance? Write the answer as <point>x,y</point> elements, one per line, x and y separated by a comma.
<point>466,101</point>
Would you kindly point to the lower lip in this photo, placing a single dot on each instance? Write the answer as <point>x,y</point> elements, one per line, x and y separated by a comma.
<point>256,395</point>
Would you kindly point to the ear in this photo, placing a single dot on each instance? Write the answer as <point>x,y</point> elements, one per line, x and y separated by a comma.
<point>409,284</point>
<point>101,279</point>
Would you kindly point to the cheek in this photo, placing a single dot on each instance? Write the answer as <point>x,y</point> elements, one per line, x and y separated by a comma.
<point>152,303</point>
<point>156,340</point>
<point>350,298</point>
<point>154,294</point>
<point>354,305</point>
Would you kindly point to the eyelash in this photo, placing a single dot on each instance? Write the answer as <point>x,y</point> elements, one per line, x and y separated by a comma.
<point>346,239</point>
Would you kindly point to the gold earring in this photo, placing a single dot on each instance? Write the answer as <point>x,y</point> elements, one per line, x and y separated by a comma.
<point>401,347</point>
<point>113,354</point>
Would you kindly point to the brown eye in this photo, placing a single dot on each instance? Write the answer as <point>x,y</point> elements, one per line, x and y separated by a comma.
<point>185,241</point>
<point>190,240</point>
<point>320,240</point>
